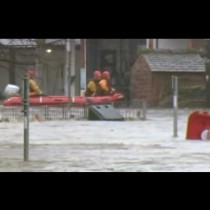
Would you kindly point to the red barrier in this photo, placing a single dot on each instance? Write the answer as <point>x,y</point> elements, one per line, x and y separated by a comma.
<point>197,123</point>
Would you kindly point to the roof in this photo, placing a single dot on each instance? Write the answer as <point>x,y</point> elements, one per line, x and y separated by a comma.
<point>32,42</point>
<point>175,62</point>
<point>18,42</point>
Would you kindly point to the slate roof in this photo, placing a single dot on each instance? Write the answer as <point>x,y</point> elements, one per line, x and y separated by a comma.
<point>175,62</point>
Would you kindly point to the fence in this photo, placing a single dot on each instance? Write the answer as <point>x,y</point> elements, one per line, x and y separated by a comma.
<point>136,110</point>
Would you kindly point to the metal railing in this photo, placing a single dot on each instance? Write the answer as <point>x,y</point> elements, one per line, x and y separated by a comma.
<point>136,110</point>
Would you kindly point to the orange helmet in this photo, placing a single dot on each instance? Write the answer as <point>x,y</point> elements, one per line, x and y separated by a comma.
<point>106,74</point>
<point>30,74</point>
<point>97,74</point>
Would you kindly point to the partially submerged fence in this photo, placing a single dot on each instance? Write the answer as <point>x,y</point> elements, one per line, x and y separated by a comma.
<point>135,110</point>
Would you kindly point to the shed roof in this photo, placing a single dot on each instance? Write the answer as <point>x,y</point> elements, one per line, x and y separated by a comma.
<point>175,62</point>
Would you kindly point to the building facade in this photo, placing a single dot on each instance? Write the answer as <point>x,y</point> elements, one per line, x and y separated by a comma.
<point>119,56</point>
<point>18,56</point>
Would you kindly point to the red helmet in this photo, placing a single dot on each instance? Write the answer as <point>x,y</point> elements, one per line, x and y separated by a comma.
<point>97,74</point>
<point>30,74</point>
<point>106,74</point>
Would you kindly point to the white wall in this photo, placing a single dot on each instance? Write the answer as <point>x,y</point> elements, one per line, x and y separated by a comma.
<point>173,44</point>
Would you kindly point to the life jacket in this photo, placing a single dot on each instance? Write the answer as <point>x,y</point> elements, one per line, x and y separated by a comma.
<point>105,87</point>
<point>34,88</point>
<point>92,87</point>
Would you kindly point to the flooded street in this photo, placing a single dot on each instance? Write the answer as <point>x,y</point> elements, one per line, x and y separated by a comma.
<point>104,146</point>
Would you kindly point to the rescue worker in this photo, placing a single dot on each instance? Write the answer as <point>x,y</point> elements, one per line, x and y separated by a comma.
<point>33,86</point>
<point>105,86</point>
<point>92,86</point>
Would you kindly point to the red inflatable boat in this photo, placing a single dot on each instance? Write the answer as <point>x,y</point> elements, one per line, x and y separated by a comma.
<point>63,100</point>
